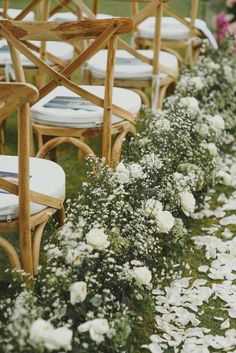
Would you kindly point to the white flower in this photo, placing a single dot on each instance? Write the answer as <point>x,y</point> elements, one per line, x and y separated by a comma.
<point>217,122</point>
<point>165,221</point>
<point>123,173</point>
<point>202,129</point>
<point>188,202</point>
<point>78,292</point>
<point>197,82</point>
<point>151,207</point>
<point>162,124</point>
<point>142,275</point>
<point>97,239</point>
<point>97,329</point>
<point>152,161</point>
<point>213,66</point>
<point>40,330</point>
<point>212,149</point>
<point>224,177</point>
<point>191,104</point>
<point>59,338</point>
<point>228,71</point>
<point>136,171</point>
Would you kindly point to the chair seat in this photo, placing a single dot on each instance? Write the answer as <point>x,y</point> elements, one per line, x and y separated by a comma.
<point>63,16</point>
<point>45,177</point>
<point>62,50</point>
<point>128,67</point>
<point>14,12</point>
<point>68,16</point>
<point>87,116</point>
<point>171,28</point>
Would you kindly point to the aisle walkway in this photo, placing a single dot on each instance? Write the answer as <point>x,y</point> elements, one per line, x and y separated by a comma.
<point>196,312</point>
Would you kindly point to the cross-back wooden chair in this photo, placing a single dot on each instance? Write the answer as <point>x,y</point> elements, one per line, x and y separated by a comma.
<point>31,189</point>
<point>98,115</point>
<point>139,69</point>
<point>178,32</point>
<point>57,54</point>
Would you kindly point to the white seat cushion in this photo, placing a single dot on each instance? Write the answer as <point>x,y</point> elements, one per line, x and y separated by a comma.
<point>63,16</point>
<point>88,117</point>
<point>62,50</point>
<point>127,66</point>
<point>46,177</point>
<point>14,12</point>
<point>171,28</point>
<point>68,16</point>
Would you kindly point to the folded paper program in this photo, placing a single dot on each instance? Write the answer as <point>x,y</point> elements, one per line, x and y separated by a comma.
<point>75,103</point>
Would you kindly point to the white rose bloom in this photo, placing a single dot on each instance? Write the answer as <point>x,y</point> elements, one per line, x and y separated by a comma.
<point>97,239</point>
<point>197,82</point>
<point>165,221</point>
<point>142,275</point>
<point>162,124</point>
<point>213,65</point>
<point>78,292</point>
<point>97,329</point>
<point>39,330</point>
<point>123,173</point>
<point>177,176</point>
<point>136,171</point>
<point>59,338</point>
<point>212,149</point>
<point>224,177</point>
<point>217,122</point>
<point>191,104</point>
<point>42,332</point>
<point>188,202</point>
<point>152,207</point>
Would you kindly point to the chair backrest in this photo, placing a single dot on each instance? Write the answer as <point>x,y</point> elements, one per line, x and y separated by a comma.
<point>13,96</point>
<point>104,32</point>
<point>150,8</point>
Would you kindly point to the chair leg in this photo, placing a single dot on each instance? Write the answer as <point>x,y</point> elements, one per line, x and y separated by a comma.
<point>38,233</point>
<point>56,141</point>
<point>117,147</point>
<point>11,254</point>
<point>81,153</point>
<point>2,138</point>
<point>143,96</point>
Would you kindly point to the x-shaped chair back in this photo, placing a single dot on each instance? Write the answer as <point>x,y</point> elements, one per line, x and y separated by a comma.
<point>103,31</point>
<point>152,7</point>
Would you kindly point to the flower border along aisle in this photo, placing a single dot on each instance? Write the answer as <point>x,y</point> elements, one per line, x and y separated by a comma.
<point>126,229</point>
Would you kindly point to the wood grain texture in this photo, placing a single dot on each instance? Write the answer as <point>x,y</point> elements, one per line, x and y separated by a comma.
<point>54,31</point>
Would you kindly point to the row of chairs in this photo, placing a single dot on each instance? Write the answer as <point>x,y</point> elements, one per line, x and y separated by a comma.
<point>67,112</point>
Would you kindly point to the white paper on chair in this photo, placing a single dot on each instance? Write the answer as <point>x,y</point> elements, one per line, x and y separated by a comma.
<point>75,103</point>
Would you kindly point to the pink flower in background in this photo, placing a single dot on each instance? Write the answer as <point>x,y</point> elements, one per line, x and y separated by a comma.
<point>222,26</point>
<point>232,28</point>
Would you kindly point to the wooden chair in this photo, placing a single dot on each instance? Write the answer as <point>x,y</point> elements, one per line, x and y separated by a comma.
<point>39,185</point>
<point>58,55</point>
<point>177,32</point>
<point>139,69</point>
<point>64,126</point>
